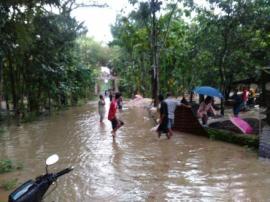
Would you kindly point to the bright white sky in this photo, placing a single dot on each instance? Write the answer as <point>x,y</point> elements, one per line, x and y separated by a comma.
<point>98,20</point>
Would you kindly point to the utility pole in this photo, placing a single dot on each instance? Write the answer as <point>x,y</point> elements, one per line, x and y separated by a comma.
<point>154,6</point>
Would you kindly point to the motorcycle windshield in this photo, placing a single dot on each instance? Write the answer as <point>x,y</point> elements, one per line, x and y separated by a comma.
<point>21,190</point>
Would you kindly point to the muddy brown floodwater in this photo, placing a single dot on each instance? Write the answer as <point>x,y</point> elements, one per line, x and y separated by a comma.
<point>137,166</point>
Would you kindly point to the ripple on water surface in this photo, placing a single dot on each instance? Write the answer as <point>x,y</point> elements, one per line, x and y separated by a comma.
<point>137,166</point>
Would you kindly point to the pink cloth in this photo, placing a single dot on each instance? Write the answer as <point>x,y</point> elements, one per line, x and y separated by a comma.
<point>245,95</point>
<point>204,108</point>
<point>242,125</point>
<point>138,96</point>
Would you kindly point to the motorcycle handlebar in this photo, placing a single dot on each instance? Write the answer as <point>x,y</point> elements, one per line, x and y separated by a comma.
<point>33,191</point>
<point>62,172</point>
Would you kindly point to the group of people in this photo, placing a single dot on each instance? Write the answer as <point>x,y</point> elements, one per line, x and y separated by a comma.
<point>116,102</point>
<point>166,109</point>
<point>242,101</point>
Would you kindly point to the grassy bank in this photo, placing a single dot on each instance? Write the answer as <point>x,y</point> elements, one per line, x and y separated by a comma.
<point>7,166</point>
<point>249,140</point>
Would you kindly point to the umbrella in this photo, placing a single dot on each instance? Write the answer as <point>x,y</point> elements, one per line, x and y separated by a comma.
<point>207,90</point>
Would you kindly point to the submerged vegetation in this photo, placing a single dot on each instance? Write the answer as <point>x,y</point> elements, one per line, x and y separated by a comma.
<point>9,184</point>
<point>6,165</point>
<point>251,141</point>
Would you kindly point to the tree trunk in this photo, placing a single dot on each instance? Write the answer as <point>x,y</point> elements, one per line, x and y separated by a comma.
<point>191,97</point>
<point>1,83</point>
<point>13,88</point>
<point>155,63</point>
<point>7,100</point>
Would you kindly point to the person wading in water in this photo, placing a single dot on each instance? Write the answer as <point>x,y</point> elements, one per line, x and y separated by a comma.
<point>172,103</point>
<point>163,119</point>
<point>116,123</point>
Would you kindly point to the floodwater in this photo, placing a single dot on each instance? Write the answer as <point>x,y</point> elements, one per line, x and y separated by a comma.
<point>137,166</point>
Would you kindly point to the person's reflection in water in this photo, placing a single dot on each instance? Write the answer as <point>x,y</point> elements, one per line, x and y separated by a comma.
<point>116,156</point>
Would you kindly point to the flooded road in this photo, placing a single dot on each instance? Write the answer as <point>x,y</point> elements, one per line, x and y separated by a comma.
<point>137,166</point>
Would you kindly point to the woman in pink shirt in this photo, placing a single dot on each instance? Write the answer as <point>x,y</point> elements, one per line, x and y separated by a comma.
<point>205,107</point>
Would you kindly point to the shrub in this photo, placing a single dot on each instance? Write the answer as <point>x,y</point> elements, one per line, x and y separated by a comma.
<point>9,184</point>
<point>6,166</point>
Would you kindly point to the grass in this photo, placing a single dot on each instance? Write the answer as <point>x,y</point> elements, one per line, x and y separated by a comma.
<point>9,184</point>
<point>250,141</point>
<point>7,166</point>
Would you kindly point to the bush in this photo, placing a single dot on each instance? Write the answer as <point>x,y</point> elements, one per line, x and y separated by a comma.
<point>228,136</point>
<point>6,166</point>
<point>9,184</point>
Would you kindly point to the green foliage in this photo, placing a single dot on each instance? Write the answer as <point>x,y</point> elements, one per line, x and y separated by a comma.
<point>9,184</point>
<point>244,140</point>
<point>46,62</point>
<point>6,166</point>
<point>224,41</point>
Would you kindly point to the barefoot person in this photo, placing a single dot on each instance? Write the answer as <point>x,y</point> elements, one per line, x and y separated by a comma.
<point>163,118</point>
<point>204,108</point>
<point>116,123</point>
<point>101,108</point>
<point>172,103</point>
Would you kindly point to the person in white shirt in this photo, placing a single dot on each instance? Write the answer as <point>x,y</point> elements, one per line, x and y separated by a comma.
<point>172,103</point>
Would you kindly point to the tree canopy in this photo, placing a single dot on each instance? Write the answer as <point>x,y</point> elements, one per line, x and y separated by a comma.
<point>211,44</point>
<point>46,61</point>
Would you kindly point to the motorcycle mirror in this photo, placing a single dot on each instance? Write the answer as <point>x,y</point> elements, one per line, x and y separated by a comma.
<point>52,159</point>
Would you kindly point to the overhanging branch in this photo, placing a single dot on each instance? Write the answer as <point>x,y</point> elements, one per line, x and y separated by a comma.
<point>83,5</point>
<point>71,5</point>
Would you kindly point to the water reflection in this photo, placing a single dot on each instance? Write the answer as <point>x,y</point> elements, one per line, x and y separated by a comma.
<point>137,166</point>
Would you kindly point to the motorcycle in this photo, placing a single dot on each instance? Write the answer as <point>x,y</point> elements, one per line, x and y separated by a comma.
<point>34,190</point>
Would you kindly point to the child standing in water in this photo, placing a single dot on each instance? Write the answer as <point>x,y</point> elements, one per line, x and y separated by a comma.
<point>101,108</point>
